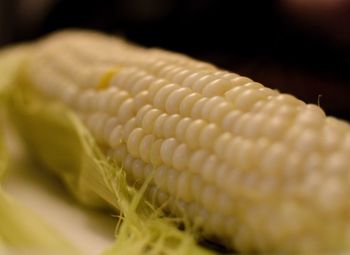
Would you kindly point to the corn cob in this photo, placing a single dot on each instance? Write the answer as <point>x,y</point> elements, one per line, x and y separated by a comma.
<point>251,167</point>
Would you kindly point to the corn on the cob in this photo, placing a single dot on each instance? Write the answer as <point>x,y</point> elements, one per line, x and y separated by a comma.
<point>253,168</point>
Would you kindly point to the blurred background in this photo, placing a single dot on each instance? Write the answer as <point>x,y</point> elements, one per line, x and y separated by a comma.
<point>296,46</point>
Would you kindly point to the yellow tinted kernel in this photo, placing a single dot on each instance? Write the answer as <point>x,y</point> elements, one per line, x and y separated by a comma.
<point>259,149</point>
<point>197,160</point>
<point>126,110</point>
<point>252,86</point>
<point>216,88</point>
<point>145,147</point>
<point>230,119</point>
<point>209,105</point>
<point>209,168</point>
<point>288,100</point>
<point>192,133</point>
<point>181,128</point>
<point>221,143</point>
<point>158,125</point>
<point>116,136</point>
<point>232,94</point>
<point>273,158</point>
<point>187,103</point>
<point>119,79</point>
<point>161,96</point>
<point>142,84</point>
<point>134,141</point>
<point>165,70</point>
<point>254,127</point>
<point>307,141</point>
<point>128,127</point>
<point>244,155</point>
<point>157,66</point>
<point>232,151</point>
<point>202,82</point>
<point>270,107</point>
<point>332,196</point>
<point>311,115</point>
<point>181,76</point>
<point>172,72</point>
<point>167,150</point>
<point>337,163</point>
<point>181,157</point>
<point>219,112</point>
<point>142,99</point>
<point>109,125</point>
<point>155,157</point>
<point>240,80</point>
<point>267,92</point>
<point>133,79</point>
<point>197,108</point>
<point>331,138</point>
<point>293,165</point>
<point>239,127</point>
<point>155,86</point>
<point>246,100</point>
<point>190,80</point>
<point>142,112</point>
<point>225,75</point>
<point>275,127</point>
<point>313,162</point>
<point>208,136</point>
<point>149,120</point>
<point>170,124</point>
<point>174,100</point>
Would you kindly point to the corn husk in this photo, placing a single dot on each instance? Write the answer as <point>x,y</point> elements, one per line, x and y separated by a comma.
<point>21,230</point>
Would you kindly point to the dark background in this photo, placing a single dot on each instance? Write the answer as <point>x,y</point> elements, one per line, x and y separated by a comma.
<point>299,47</point>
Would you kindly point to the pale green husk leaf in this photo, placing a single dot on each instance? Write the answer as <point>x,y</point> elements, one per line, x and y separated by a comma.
<point>21,230</point>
